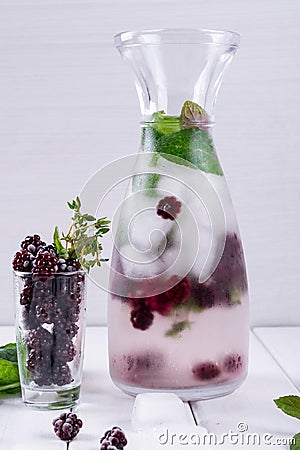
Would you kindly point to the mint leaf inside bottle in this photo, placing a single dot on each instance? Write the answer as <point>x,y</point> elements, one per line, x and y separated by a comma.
<point>193,116</point>
<point>183,140</point>
<point>193,146</point>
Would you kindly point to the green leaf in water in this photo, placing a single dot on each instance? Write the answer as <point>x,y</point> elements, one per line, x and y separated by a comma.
<point>178,327</point>
<point>193,146</point>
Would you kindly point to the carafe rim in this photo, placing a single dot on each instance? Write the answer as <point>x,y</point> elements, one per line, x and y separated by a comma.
<point>177,36</point>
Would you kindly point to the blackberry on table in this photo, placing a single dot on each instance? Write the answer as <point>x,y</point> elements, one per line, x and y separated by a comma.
<point>113,439</point>
<point>33,244</point>
<point>45,265</point>
<point>22,261</point>
<point>67,426</point>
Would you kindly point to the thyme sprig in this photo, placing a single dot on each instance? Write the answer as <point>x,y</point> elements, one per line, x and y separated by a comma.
<point>83,239</point>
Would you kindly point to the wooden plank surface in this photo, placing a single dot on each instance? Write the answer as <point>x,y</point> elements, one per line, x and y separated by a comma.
<point>102,405</point>
<point>253,403</point>
<point>68,107</point>
<point>283,344</point>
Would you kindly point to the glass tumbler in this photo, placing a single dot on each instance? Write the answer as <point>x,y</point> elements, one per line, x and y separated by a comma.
<point>50,331</point>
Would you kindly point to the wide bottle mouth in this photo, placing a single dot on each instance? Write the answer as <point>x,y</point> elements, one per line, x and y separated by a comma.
<point>171,66</point>
<point>177,36</point>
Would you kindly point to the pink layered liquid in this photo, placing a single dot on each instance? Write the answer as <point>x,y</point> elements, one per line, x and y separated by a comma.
<point>152,360</point>
<point>190,338</point>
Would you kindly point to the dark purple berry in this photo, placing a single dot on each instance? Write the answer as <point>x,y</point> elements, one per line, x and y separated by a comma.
<point>38,362</point>
<point>26,294</point>
<point>232,363</point>
<point>22,261</point>
<point>141,316</point>
<point>64,351</point>
<point>67,426</point>
<point>61,374</point>
<point>203,294</point>
<point>113,439</point>
<point>39,339</point>
<point>230,277</point>
<point>68,265</point>
<point>140,362</point>
<point>65,329</point>
<point>48,311</point>
<point>45,265</point>
<point>48,249</point>
<point>33,244</point>
<point>168,208</point>
<point>206,371</point>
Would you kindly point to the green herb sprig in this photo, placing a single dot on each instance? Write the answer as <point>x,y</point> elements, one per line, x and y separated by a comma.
<point>82,241</point>
<point>290,405</point>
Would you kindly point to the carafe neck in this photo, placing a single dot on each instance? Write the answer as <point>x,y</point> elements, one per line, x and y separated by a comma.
<point>153,131</point>
<point>172,66</point>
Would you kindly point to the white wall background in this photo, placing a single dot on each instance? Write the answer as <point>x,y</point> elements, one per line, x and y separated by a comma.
<point>68,106</point>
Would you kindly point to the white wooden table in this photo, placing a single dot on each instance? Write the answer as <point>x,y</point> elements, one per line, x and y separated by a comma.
<point>274,371</point>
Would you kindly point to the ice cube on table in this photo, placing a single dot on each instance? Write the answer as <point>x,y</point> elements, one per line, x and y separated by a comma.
<point>159,419</point>
<point>151,410</point>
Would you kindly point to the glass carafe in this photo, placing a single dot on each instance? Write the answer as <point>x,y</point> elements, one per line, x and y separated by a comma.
<point>178,302</point>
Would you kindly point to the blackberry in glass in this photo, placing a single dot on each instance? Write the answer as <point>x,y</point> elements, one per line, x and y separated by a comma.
<point>50,312</point>
<point>22,261</point>
<point>45,265</point>
<point>33,244</point>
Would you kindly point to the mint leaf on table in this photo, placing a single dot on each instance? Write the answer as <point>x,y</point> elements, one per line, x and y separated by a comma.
<point>9,373</point>
<point>296,444</point>
<point>9,352</point>
<point>289,404</point>
<point>192,146</point>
